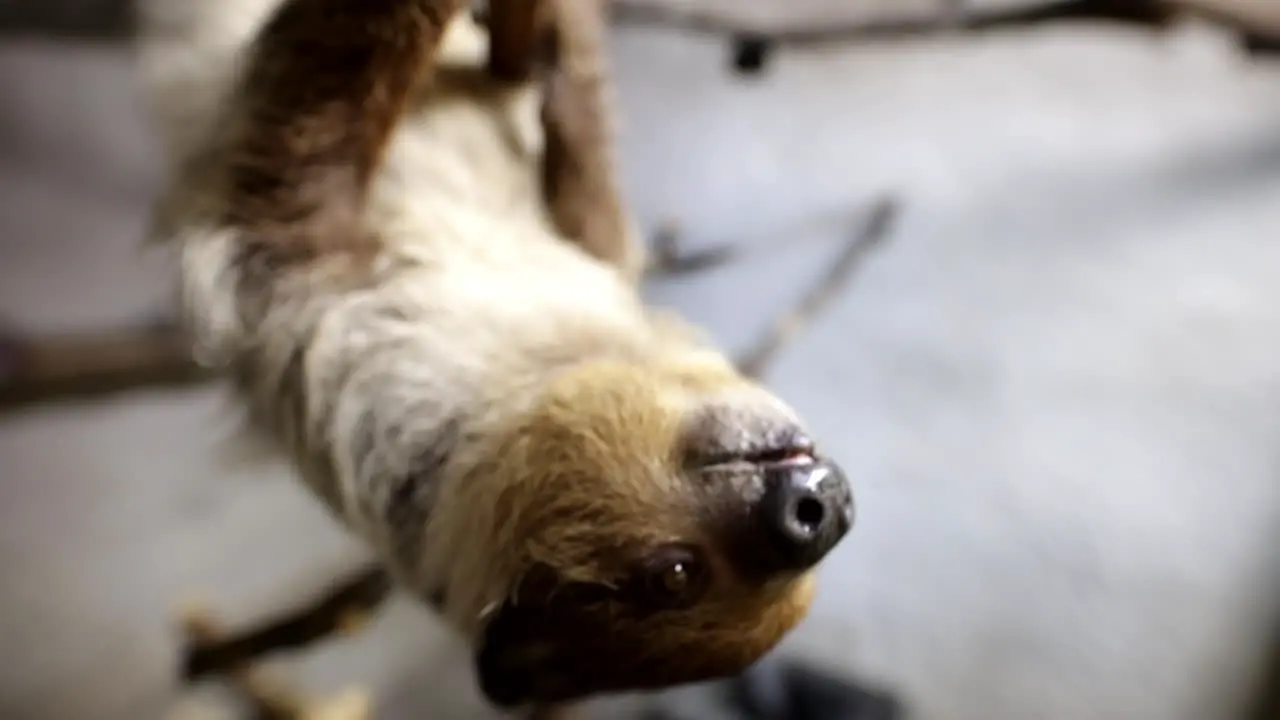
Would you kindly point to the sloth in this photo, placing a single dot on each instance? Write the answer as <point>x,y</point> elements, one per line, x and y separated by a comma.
<point>406,251</point>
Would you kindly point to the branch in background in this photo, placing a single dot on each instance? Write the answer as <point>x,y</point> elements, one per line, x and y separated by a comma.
<point>1258,22</point>
<point>870,236</point>
<point>1265,704</point>
<point>49,367</point>
<point>109,21</point>
<point>670,259</point>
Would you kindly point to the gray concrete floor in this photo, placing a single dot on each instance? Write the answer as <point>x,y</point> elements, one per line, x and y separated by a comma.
<point>1057,387</point>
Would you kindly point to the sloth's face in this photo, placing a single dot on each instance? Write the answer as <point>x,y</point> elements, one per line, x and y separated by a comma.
<point>669,535</point>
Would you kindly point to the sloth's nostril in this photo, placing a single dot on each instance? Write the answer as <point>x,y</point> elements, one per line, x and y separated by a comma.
<point>809,513</point>
<point>805,511</point>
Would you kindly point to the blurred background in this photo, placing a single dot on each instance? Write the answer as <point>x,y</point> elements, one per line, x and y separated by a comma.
<point>1057,386</point>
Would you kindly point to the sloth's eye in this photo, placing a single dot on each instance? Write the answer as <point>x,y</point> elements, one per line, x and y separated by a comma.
<point>673,577</point>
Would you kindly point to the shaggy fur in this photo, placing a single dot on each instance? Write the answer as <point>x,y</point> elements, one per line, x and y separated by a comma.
<point>373,246</point>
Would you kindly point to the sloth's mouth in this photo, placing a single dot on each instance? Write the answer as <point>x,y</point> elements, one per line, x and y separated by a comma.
<point>782,456</point>
<point>797,452</point>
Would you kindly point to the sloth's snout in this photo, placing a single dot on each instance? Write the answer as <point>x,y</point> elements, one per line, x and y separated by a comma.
<point>806,510</point>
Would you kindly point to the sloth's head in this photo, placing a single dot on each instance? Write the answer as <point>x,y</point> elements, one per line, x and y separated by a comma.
<point>665,524</point>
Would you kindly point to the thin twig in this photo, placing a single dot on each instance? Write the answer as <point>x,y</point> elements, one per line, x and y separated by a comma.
<point>670,259</point>
<point>869,236</point>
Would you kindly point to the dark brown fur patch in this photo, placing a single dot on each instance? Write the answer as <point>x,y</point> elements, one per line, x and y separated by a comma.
<point>548,654</point>
<point>565,40</point>
<point>520,32</point>
<point>327,82</point>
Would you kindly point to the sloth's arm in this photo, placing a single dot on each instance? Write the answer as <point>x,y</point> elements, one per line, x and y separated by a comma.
<point>272,289</point>
<point>563,42</point>
<point>326,84</point>
<point>579,170</point>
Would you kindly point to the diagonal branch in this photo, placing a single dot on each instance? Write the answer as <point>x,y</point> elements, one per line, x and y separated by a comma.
<point>756,362</point>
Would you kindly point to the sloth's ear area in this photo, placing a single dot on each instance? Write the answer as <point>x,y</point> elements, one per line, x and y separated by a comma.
<point>535,586</point>
<point>501,682</point>
<point>570,650</point>
<point>525,637</point>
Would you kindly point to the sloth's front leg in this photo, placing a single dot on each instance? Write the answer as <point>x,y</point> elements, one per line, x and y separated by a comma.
<point>561,44</point>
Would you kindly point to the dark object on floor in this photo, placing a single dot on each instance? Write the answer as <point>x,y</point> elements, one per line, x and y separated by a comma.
<point>1265,704</point>
<point>781,690</point>
<point>750,53</point>
<point>1261,46</point>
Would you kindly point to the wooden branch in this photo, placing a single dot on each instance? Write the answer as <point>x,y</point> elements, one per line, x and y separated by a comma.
<point>270,696</point>
<point>579,168</point>
<point>756,362</point>
<point>1257,21</point>
<point>98,21</point>
<point>646,13</point>
<point>342,608</point>
<point>55,367</point>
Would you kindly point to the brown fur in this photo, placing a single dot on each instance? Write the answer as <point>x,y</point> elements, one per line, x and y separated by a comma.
<point>578,168</point>
<point>329,83</point>
<point>429,300</point>
<point>520,34</point>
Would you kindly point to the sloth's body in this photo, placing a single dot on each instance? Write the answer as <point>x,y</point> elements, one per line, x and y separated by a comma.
<point>528,448</point>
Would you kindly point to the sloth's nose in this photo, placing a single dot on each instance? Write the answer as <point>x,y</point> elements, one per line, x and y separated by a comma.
<point>806,510</point>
